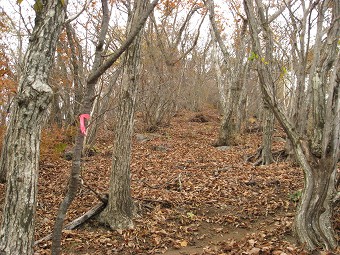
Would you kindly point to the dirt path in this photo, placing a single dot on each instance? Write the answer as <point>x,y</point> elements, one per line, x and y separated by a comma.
<point>191,197</point>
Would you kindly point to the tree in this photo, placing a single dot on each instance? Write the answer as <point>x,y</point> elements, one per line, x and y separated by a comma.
<point>78,147</point>
<point>164,72</point>
<point>313,222</point>
<point>98,69</point>
<point>236,67</point>
<point>118,212</point>
<point>28,114</point>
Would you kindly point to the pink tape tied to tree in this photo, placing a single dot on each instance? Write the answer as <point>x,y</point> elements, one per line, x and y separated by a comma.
<point>82,118</point>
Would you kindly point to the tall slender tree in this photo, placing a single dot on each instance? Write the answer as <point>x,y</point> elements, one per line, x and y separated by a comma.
<point>236,68</point>
<point>98,69</point>
<point>118,213</point>
<point>20,155</point>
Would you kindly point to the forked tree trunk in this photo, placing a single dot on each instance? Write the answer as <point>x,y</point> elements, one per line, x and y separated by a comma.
<point>29,113</point>
<point>119,210</point>
<point>229,96</point>
<point>313,223</point>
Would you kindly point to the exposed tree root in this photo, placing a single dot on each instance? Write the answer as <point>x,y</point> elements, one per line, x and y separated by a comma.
<point>257,160</point>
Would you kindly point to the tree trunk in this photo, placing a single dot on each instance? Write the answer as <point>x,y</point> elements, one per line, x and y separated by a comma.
<point>78,72</point>
<point>100,109</point>
<point>98,69</point>
<point>235,77</point>
<point>268,129</point>
<point>118,213</point>
<point>313,223</point>
<point>226,126</point>
<point>78,147</point>
<point>21,157</point>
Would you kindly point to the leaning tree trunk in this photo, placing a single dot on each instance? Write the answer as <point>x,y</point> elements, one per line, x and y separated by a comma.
<point>119,210</point>
<point>78,147</point>
<point>28,114</point>
<point>101,109</point>
<point>313,222</point>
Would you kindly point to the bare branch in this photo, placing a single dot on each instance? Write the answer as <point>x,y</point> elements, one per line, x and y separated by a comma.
<point>210,5</point>
<point>70,19</point>
<point>101,69</point>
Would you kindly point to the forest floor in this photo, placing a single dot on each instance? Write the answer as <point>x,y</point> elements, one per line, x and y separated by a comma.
<point>191,197</point>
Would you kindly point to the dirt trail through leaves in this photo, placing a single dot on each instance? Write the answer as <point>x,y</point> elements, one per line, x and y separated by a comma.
<point>191,197</point>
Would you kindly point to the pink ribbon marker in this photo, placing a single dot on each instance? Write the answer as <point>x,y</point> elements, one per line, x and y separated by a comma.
<point>82,122</point>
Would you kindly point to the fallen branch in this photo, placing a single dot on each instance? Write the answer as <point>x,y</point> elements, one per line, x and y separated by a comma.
<point>79,221</point>
<point>101,198</point>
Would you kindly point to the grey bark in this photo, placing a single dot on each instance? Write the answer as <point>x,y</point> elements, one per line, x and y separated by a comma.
<point>78,147</point>
<point>99,67</point>
<point>236,70</point>
<point>313,222</point>
<point>78,72</point>
<point>268,129</point>
<point>119,211</point>
<point>300,42</point>
<point>161,99</point>
<point>20,159</point>
<point>101,107</point>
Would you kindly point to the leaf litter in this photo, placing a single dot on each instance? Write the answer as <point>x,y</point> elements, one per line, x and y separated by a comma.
<point>190,197</point>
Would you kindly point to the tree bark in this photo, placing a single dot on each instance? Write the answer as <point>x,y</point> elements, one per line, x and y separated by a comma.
<point>78,147</point>
<point>21,157</point>
<point>119,211</point>
<point>268,129</point>
<point>236,70</point>
<point>313,222</point>
<point>98,69</point>
<point>78,72</point>
<point>102,106</point>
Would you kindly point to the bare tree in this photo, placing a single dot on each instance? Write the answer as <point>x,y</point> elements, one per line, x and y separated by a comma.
<point>236,68</point>
<point>118,212</point>
<point>169,43</point>
<point>313,222</point>
<point>21,158</point>
<point>98,69</point>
